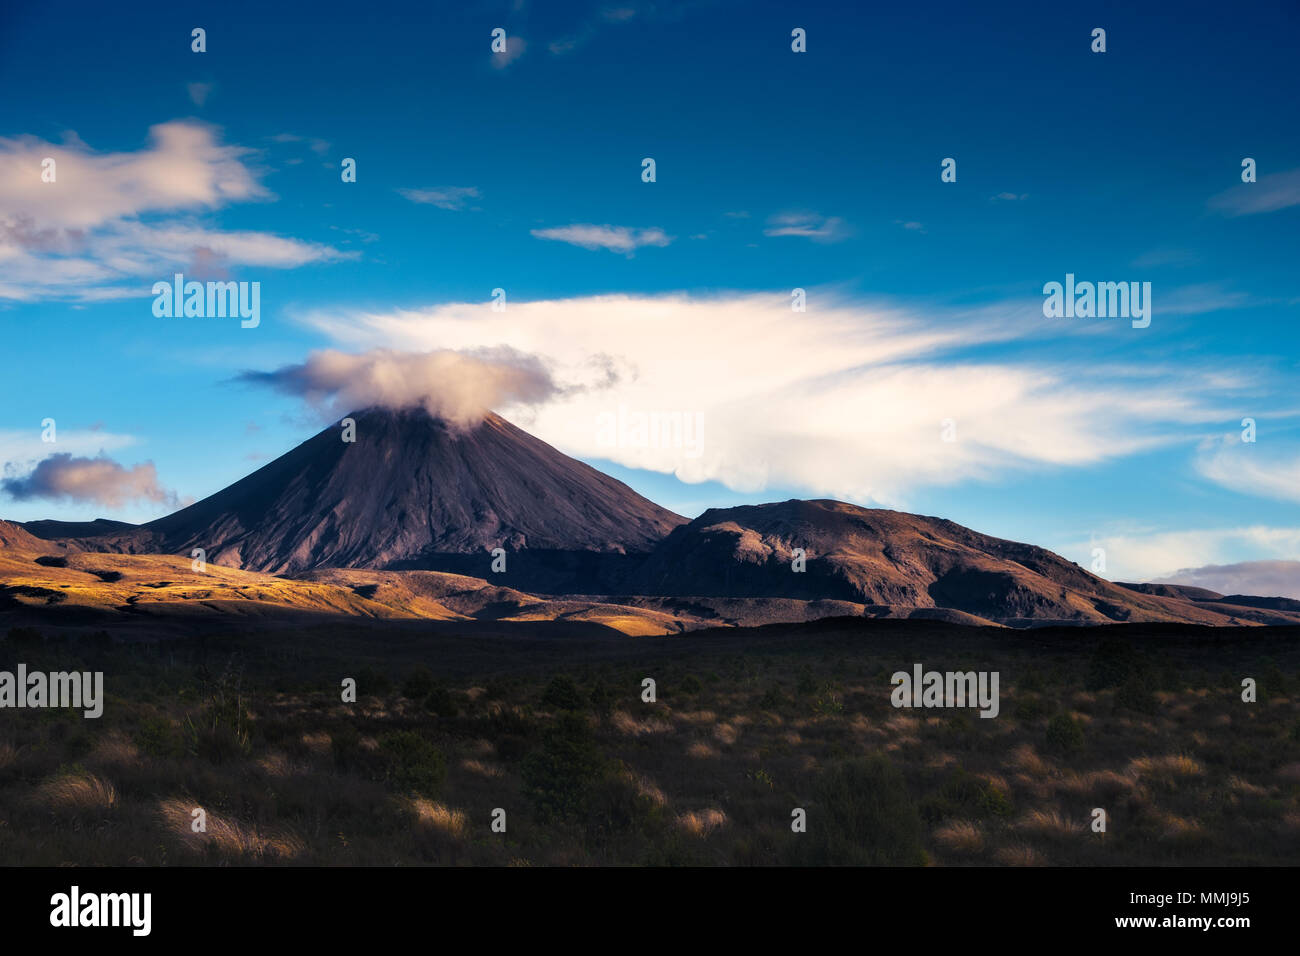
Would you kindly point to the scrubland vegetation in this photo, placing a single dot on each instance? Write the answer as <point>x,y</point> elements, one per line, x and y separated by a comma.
<point>747,727</point>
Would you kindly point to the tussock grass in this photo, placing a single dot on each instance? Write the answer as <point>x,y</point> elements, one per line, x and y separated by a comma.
<point>254,732</point>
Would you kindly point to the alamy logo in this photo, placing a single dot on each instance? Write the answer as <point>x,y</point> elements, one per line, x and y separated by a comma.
<point>950,689</point>
<point>74,908</point>
<point>1102,300</point>
<point>58,689</point>
<point>634,429</point>
<point>215,300</point>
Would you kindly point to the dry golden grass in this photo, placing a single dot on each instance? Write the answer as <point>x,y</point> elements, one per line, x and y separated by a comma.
<point>1050,824</point>
<point>1024,758</point>
<point>1019,855</point>
<point>1177,829</point>
<point>701,823</point>
<point>437,816</point>
<point>627,724</point>
<point>1095,784</point>
<point>116,750</point>
<point>1173,767</point>
<point>276,763</point>
<point>317,743</point>
<point>960,836</point>
<point>726,734</point>
<point>648,789</point>
<point>225,837</point>
<point>483,769</point>
<point>77,792</point>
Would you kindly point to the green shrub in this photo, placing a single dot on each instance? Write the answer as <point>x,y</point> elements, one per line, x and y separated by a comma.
<point>1032,707</point>
<point>556,777</point>
<point>827,702</point>
<point>1064,734</point>
<point>412,762</point>
<point>220,732</point>
<point>563,694</point>
<point>1031,681</point>
<point>1136,694</point>
<point>690,685</point>
<point>345,746</point>
<point>157,738</point>
<point>616,806</point>
<point>440,702</point>
<point>1269,679</point>
<point>418,684</point>
<point>861,815</point>
<point>603,698</point>
<point>965,795</point>
<point>1113,663</point>
<point>373,682</point>
<point>772,699</point>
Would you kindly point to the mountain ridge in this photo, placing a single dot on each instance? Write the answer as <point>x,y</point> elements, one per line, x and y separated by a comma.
<point>414,495</point>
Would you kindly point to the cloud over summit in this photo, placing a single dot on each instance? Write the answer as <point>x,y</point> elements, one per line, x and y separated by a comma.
<point>460,387</point>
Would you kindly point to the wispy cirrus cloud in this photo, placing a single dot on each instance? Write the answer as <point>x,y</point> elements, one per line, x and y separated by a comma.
<point>586,31</point>
<point>453,198</point>
<point>853,393</point>
<point>1269,194</point>
<point>199,92</point>
<point>808,225</point>
<point>614,238</point>
<point>1251,467</point>
<point>515,48</point>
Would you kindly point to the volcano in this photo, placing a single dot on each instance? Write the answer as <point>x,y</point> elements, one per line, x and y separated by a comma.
<point>412,493</point>
<point>410,488</point>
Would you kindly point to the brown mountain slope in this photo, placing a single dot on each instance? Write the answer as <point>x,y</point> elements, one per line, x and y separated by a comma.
<point>409,488</point>
<point>16,536</point>
<point>876,557</point>
<point>146,592</point>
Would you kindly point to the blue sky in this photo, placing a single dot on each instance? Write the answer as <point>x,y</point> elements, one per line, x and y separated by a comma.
<point>774,170</point>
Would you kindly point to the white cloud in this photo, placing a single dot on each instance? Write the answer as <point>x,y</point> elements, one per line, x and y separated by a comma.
<point>515,47</point>
<point>453,198</point>
<point>808,225</point>
<point>199,92</point>
<point>1269,194</point>
<point>459,387</point>
<point>1251,467</point>
<point>184,168</point>
<point>101,480</point>
<point>1161,555</point>
<point>845,400</point>
<point>613,238</point>
<point>21,449</point>
<point>80,237</point>
<point>1263,578</point>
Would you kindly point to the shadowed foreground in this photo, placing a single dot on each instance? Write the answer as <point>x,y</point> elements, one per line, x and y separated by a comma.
<point>453,722</point>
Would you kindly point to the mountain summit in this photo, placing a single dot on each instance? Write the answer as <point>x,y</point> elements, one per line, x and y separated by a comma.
<point>410,487</point>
